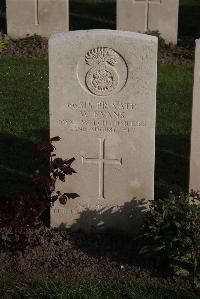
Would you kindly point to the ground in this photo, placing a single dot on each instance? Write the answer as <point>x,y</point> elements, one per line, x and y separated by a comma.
<point>62,264</point>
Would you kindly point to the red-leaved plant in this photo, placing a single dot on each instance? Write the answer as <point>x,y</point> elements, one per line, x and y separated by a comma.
<point>23,210</point>
<point>59,169</point>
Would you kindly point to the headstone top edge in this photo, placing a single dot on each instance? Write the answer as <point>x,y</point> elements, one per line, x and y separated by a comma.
<point>108,32</point>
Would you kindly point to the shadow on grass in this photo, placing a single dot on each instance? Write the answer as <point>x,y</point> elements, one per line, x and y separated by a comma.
<point>189,25</point>
<point>172,164</point>
<point>17,164</point>
<point>92,14</point>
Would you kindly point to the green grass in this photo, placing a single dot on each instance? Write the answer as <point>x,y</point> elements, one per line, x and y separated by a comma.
<point>24,93</point>
<point>56,289</point>
<point>24,120</point>
<point>174,103</point>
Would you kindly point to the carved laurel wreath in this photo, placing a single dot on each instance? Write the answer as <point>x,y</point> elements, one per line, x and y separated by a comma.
<point>101,55</point>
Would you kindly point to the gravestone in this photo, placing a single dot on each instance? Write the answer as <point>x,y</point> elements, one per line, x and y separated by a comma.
<point>149,15</point>
<point>103,105</point>
<point>42,17</point>
<point>195,136</point>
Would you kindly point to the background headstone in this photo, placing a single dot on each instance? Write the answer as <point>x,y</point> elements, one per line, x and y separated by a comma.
<point>195,136</point>
<point>42,17</point>
<point>144,15</point>
<point>103,106</point>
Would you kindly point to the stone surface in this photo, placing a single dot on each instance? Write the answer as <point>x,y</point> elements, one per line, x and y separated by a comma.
<point>195,136</point>
<point>42,17</point>
<point>143,15</point>
<point>103,106</point>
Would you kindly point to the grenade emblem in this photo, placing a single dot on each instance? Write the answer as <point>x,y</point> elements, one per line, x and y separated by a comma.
<point>102,78</point>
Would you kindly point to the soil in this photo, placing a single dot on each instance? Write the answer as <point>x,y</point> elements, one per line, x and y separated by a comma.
<point>37,48</point>
<point>32,47</point>
<point>59,253</point>
<point>176,55</point>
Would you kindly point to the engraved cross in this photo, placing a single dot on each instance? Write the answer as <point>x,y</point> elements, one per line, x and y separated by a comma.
<point>36,13</point>
<point>101,161</point>
<point>147,4</point>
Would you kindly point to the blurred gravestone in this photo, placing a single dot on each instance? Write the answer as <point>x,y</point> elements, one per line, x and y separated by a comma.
<point>195,137</point>
<point>42,17</point>
<point>103,105</point>
<point>149,15</point>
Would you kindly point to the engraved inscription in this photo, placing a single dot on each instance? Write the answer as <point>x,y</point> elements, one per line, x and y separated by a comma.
<point>102,116</point>
<point>81,207</point>
<point>101,161</point>
<point>102,71</point>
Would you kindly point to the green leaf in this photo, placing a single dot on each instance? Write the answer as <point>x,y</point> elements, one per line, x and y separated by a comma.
<point>177,224</point>
<point>179,271</point>
<point>145,249</point>
<point>151,249</point>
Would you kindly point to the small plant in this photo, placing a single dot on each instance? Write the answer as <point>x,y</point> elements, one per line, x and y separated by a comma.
<point>31,41</point>
<point>161,41</point>
<point>172,234</point>
<point>23,210</point>
<point>59,169</point>
<point>185,54</point>
<point>3,45</point>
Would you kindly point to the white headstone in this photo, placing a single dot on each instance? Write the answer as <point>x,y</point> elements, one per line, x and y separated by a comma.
<point>42,17</point>
<point>103,106</point>
<point>149,15</point>
<point>195,136</point>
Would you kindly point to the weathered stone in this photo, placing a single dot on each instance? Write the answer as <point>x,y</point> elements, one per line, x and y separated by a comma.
<point>144,15</point>
<point>42,17</point>
<point>195,136</point>
<point>103,106</point>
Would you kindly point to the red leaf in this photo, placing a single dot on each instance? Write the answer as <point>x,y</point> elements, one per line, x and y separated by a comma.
<point>69,162</point>
<point>56,138</point>
<point>54,198</point>
<point>57,163</point>
<point>70,171</point>
<point>63,199</point>
<point>61,176</point>
<point>71,195</point>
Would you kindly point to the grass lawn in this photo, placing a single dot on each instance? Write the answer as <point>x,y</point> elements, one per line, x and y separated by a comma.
<point>136,289</point>
<point>24,121</point>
